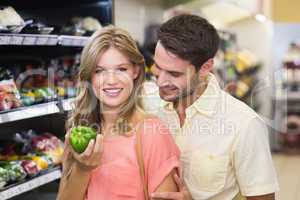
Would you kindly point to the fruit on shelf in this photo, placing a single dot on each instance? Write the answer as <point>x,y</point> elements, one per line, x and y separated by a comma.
<point>9,95</point>
<point>27,98</point>
<point>27,145</point>
<point>42,162</point>
<point>66,91</point>
<point>49,145</point>
<point>61,91</point>
<point>30,167</point>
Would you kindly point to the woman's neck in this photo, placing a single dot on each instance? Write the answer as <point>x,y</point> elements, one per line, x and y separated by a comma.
<point>109,120</point>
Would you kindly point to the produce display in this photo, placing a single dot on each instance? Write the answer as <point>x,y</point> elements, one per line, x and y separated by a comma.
<point>30,74</point>
<point>30,84</point>
<point>240,70</point>
<point>289,85</point>
<point>27,155</point>
<point>12,22</point>
<point>237,69</point>
<point>40,63</point>
<point>11,172</point>
<point>9,94</point>
<point>291,68</point>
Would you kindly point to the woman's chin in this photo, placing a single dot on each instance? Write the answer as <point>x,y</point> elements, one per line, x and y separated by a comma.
<point>112,105</point>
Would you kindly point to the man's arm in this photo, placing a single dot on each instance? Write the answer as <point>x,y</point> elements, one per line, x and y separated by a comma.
<point>182,194</point>
<point>263,197</point>
<point>168,185</point>
<point>253,162</point>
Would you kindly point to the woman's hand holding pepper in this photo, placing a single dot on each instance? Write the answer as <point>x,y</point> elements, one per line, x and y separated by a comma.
<point>90,158</point>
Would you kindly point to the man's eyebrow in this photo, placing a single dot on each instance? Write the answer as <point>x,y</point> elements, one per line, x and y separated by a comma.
<point>155,63</point>
<point>169,71</point>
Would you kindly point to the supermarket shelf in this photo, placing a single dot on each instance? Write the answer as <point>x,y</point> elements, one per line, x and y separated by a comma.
<point>291,82</point>
<point>41,40</point>
<point>28,39</point>
<point>290,96</point>
<point>20,188</point>
<point>36,110</point>
<point>29,112</point>
<point>76,41</point>
<point>294,96</point>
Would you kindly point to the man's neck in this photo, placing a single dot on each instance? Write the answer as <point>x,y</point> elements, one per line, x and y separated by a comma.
<point>183,104</point>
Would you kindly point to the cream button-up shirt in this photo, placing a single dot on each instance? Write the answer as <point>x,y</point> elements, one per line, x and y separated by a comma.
<point>224,146</point>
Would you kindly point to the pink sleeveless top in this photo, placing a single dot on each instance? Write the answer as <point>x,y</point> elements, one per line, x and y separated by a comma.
<point>118,177</point>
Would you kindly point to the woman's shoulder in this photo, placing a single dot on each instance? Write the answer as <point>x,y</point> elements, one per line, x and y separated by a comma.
<point>156,137</point>
<point>155,119</point>
<point>153,129</point>
<point>153,122</point>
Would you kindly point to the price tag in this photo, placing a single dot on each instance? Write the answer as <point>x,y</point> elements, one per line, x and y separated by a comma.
<point>4,39</point>
<point>67,42</point>
<point>83,42</point>
<point>41,40</point>
<point>77,42</point>
<point>16,40</point>
<point>52,41</point>
<point>29,40</point>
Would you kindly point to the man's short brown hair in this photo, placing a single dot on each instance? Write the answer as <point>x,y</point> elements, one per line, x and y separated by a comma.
<point>190,37</point>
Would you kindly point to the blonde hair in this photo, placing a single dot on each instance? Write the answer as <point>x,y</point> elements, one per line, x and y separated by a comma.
<point>87,107</point>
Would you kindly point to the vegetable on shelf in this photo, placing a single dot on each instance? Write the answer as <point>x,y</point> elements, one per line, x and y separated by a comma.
<point>4,177</point>
<point>15,171</point>
<point>80,137</point>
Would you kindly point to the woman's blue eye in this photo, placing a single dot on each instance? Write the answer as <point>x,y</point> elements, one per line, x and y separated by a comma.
<point>122,69</point>
<point>98,71</point>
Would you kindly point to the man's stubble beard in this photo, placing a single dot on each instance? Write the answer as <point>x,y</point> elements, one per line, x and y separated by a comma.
<point>188,92</point>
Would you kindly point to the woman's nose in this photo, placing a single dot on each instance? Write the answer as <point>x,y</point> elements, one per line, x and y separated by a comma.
<point>111,77</point>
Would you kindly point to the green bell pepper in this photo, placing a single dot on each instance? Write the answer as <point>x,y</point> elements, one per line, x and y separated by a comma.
<point>80,137</point>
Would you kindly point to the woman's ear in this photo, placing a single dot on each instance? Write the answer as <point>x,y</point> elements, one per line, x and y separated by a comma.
<point>136,71</point>
<point>206,68</point>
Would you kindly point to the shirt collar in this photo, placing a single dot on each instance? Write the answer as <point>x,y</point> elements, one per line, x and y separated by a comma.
<point>206,103</point>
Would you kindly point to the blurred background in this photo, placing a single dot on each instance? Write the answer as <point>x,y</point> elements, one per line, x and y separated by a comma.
<point>40,43</point>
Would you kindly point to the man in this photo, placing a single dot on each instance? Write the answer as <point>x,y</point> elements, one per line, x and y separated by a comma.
<point>224,144</point>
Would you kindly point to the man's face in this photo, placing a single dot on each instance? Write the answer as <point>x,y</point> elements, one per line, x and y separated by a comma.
<point>175,77</point>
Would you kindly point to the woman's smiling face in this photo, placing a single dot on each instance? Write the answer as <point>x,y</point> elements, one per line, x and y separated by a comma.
<point>113,78</point>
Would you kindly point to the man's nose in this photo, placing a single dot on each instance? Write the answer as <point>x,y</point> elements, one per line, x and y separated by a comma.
<point>162,79</point>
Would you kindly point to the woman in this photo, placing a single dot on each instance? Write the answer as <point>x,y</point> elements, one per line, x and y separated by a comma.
<point>110,77</point>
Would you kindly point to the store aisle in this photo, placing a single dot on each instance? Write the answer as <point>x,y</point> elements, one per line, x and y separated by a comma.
<point>288,170</point>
